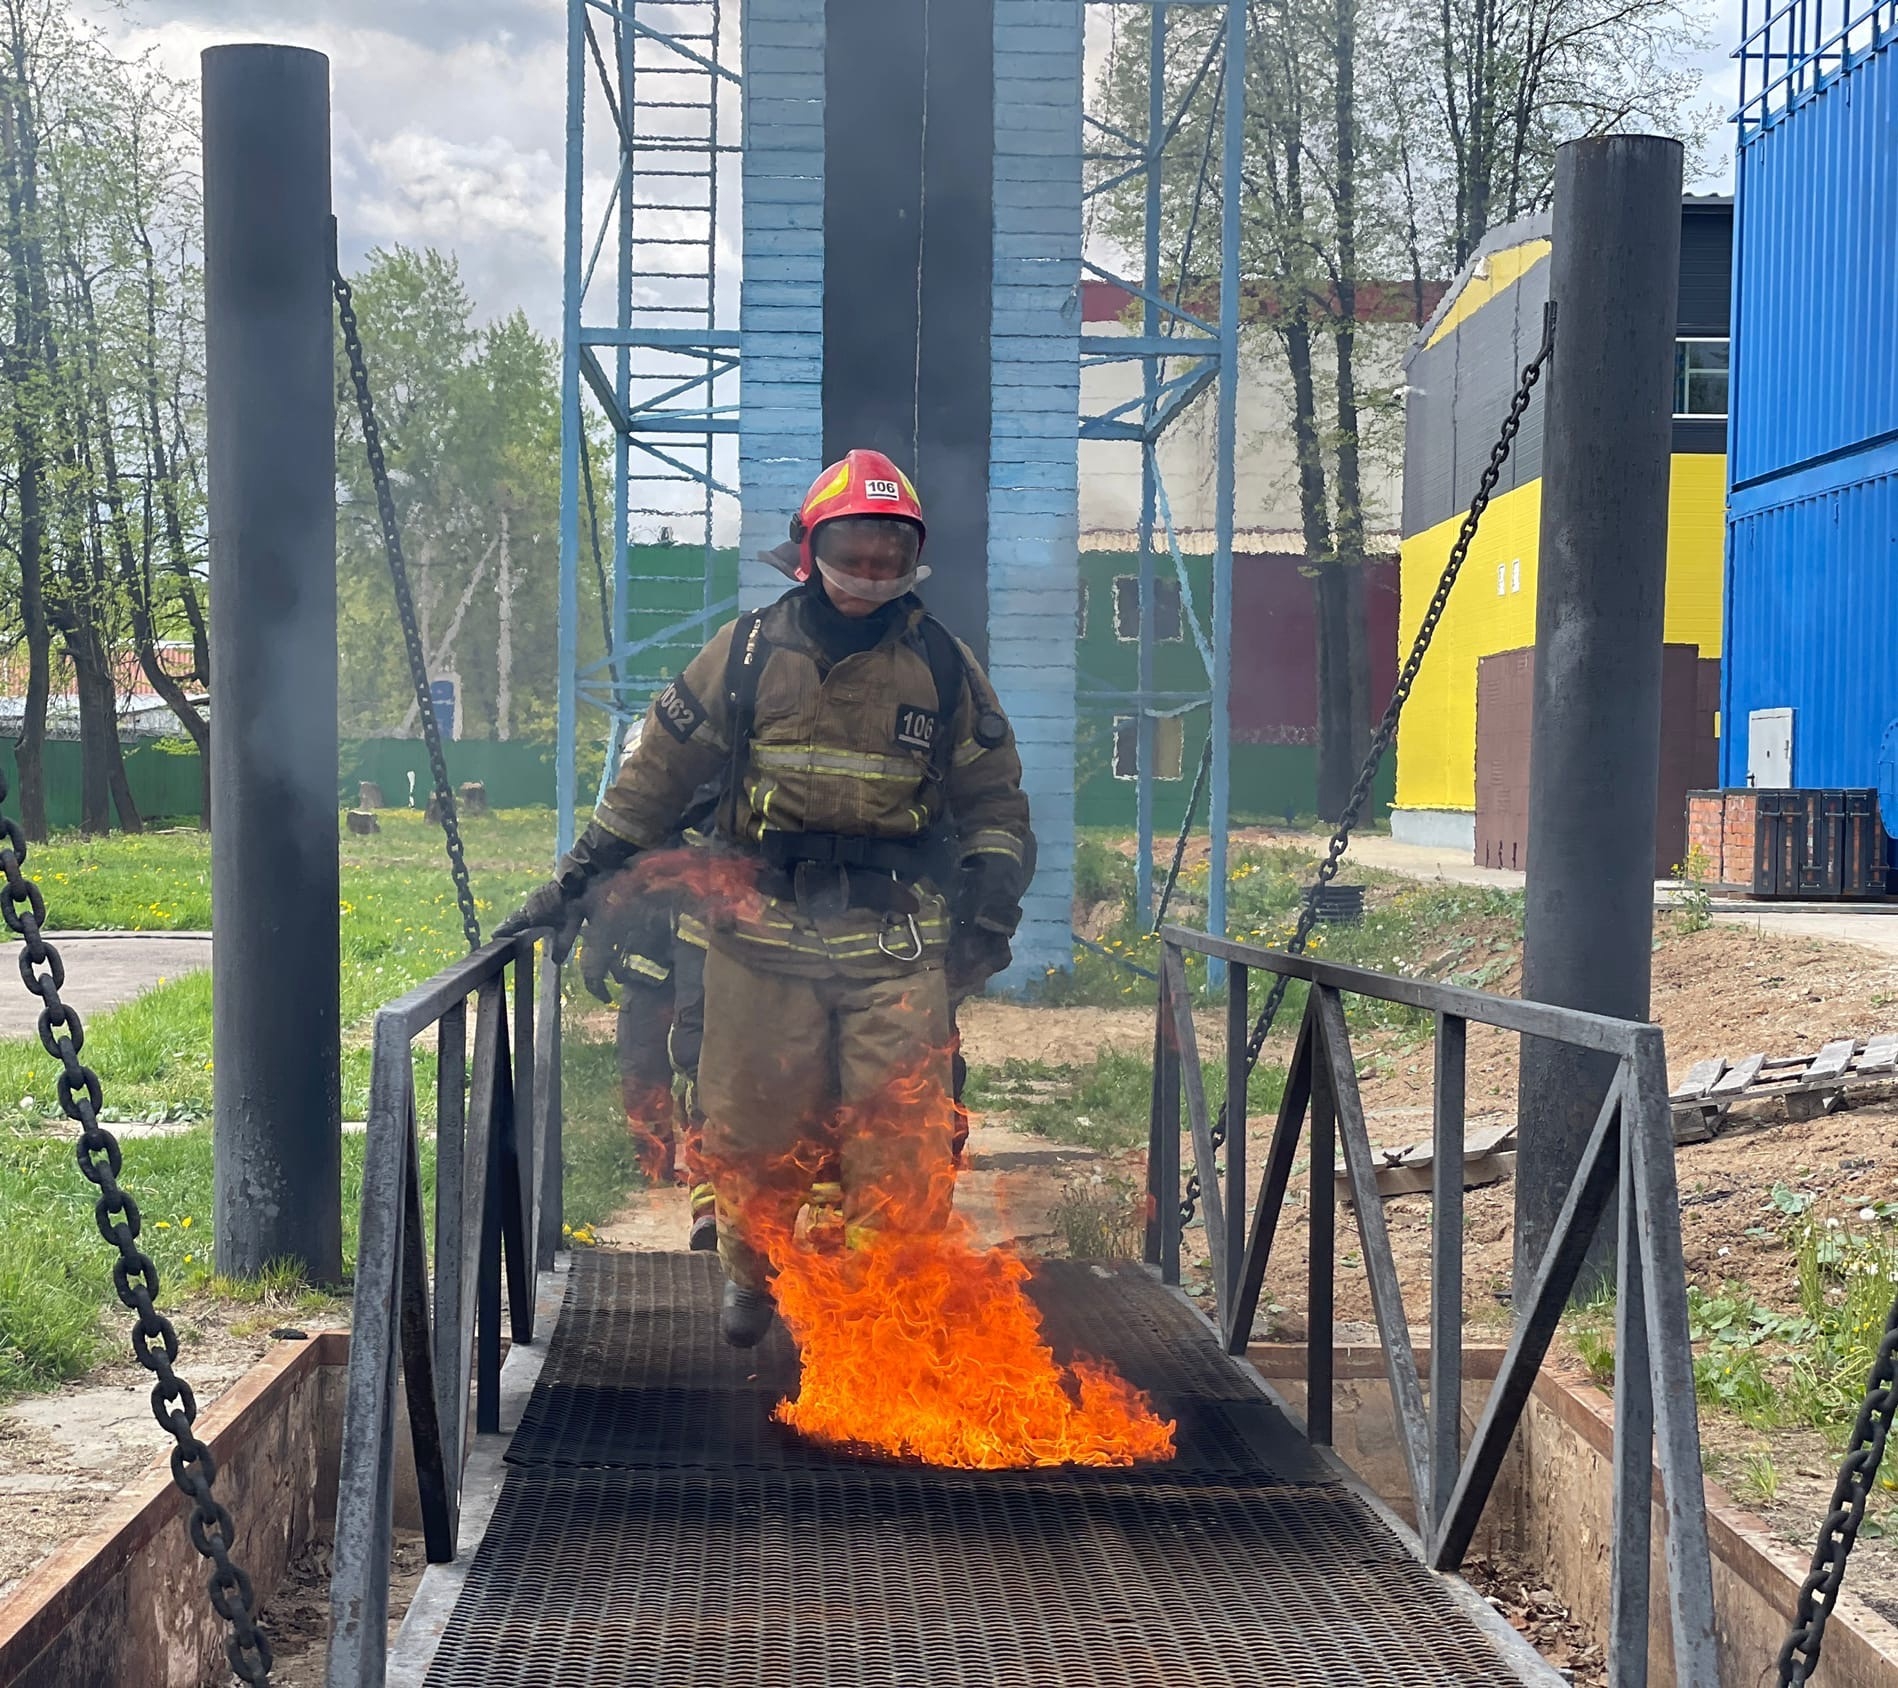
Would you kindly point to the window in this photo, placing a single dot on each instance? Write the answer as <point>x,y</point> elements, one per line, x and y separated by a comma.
<point>1168,623</point>
<point>1700,378</point>
<point>1169,747</point>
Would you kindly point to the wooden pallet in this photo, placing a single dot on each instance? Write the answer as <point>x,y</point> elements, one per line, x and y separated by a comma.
<point>1489,1156</point>
<point>1844,1073</point>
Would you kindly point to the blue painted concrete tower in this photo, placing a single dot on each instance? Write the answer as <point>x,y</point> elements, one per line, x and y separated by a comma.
<point>781,299</point>
<point>1034,475</point>
<point>1034,374</point>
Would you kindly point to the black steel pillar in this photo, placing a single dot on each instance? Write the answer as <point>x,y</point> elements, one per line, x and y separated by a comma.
<point>270,391</point>
<point>1601,579</point>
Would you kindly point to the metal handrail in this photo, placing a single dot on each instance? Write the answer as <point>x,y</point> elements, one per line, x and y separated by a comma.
<point>496,1223</point>
<point>1627,1168</point>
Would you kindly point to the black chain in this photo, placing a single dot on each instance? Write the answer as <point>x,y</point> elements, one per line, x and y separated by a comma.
<point>1186,827</point>
<point>134,1276</point>
<point>1386,732</point>
<point>405,605</point>
<point>1799,1655</point>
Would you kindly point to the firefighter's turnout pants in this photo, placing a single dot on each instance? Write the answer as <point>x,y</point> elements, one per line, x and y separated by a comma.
<point>803,1076</point>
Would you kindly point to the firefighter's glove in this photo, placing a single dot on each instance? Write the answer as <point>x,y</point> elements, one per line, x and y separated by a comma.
<point>550,913</point>
<point>987,894</point>
<point>560,907</point>
<point>975,956</point>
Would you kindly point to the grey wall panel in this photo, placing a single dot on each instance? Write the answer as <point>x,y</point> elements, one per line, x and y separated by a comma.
<point>1460,390</point>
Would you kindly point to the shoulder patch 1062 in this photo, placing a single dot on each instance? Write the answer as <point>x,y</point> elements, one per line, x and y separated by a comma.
<point>679,712</point>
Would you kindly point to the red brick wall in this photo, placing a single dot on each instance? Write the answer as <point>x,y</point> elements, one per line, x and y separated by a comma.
<point>1723,824</point>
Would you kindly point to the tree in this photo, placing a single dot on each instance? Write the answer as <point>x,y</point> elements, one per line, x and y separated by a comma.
<point>1359,171</point>
<point>101,217</point>
<point>1510,80</point>
<point>470,420</point>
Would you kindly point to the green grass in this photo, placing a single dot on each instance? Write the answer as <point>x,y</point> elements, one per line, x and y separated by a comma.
<point>1463,934</point>
<point>1102,1106</point>
<point>399,925</point>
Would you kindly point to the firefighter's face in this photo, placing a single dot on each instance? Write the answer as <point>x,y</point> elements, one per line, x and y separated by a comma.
<point>870,549</point>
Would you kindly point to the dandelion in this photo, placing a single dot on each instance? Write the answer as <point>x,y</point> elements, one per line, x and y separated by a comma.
<point>185,1223</point>
<point>162,1225</point>
<point>189,1258</point>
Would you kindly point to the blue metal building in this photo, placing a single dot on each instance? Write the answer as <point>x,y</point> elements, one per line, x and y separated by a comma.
<point>1812,539</point>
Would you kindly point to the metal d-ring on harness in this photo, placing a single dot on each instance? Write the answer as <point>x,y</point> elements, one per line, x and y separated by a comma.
<point>915,950</point>
<point>1386,733</point>
<point>134,1276</point>
<point>405,603</point>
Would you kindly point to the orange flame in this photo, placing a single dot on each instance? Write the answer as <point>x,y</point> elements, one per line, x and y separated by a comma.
<point>721,883</point>
<point>914,1341</point>
<point>649,1117</point>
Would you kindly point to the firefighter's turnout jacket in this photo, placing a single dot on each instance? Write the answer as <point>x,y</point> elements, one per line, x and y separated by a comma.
<point>844,750</point>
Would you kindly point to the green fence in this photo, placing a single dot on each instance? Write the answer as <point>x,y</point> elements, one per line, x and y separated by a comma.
<point>518,774</point>
<point>163,775</point>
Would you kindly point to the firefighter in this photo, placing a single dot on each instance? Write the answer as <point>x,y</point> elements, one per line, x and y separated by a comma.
<point>649,939</point>
<point>848,723</point>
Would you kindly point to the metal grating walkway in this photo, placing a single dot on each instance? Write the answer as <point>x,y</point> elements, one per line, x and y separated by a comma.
<point>657,1529</point>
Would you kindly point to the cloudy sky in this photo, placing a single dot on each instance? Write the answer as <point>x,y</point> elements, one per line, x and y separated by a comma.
<point>449,120</point>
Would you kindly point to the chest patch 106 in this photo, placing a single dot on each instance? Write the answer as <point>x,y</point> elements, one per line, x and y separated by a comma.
<point>679,712</point>
<point>916,729</point>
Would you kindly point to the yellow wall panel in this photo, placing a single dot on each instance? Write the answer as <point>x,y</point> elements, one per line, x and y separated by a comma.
<point>1696,551</point>
<point>1493,608</point>
<point>1500,271</point>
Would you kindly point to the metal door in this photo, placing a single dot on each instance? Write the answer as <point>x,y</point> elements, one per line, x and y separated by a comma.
<point>1769,749</point>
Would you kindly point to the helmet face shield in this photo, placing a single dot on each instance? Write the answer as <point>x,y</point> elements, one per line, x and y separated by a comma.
<point>871,558</point>
<point>871,546</point>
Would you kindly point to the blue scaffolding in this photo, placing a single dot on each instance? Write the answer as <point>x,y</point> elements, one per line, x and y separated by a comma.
<point>1185,351</point>
<point>653,112</point>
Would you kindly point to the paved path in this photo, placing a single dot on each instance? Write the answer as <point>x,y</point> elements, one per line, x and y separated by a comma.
<point>1873,931</point>
<point>1869,928</point>
<point>103,970</point>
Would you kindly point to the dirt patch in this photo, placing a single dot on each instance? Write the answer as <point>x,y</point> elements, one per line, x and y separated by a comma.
<point>64,1453</point>
<point>994,1031</point>
<point>298,1615</point>
<point>1539,1618</point>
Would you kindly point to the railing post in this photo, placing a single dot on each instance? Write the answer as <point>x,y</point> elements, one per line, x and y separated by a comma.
<point>1154,1245</point>
<point>521,1088</point>
<point>549,1122</point>
<point>1633,1440</point>
<point>451,1240</point>
<point>1322,1251</point>
<point>365,1499</point>
<point>1446,1264</point>
<point>490,1068</point>
<point>1238,1030</point>
<point>1169,1087</point>
<point>1647,1124</point>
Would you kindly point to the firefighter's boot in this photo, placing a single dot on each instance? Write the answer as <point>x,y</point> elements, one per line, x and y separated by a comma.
<point>746,1315</point>
<point>704,1219</point>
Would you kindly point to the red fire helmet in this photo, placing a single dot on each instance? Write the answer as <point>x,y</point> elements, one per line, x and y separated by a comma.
<point>865,483</point>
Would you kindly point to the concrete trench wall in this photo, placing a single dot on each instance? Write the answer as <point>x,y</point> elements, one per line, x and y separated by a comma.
<point>1553,1511</point>
<point>126,1605</point>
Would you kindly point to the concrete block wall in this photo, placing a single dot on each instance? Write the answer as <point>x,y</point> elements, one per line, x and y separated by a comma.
<point>1034,477</point>
<point>781,297</point>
